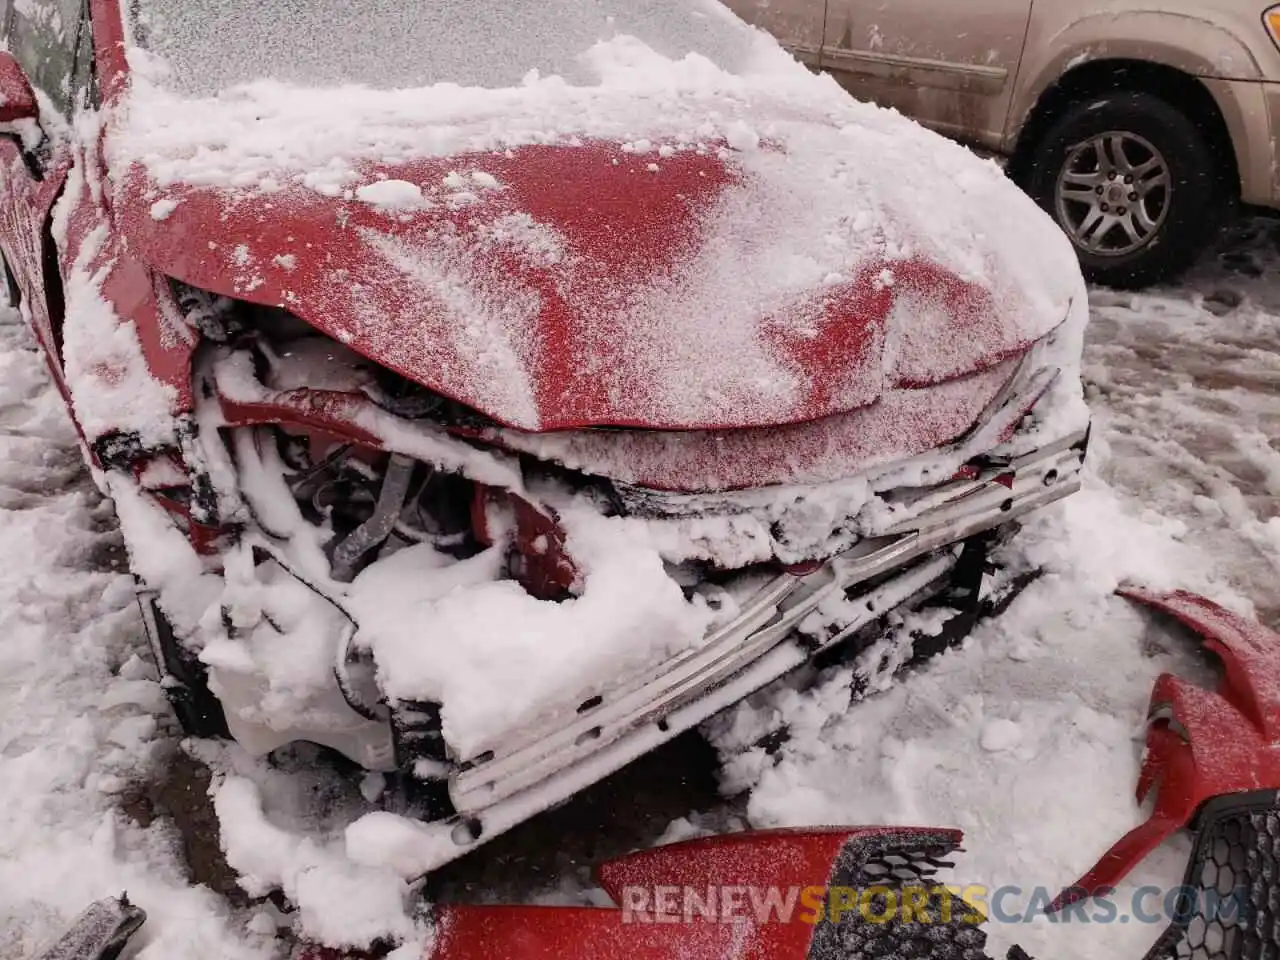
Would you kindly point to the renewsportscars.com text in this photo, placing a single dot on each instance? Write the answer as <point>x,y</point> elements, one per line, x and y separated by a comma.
<point>920,904</point>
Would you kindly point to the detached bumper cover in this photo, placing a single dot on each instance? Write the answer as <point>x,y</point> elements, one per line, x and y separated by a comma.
<point>721,898</point>
<point>1213,764</point>
<point>1201,744</point>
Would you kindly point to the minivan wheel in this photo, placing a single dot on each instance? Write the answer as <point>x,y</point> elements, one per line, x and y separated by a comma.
<point>1133,182</point>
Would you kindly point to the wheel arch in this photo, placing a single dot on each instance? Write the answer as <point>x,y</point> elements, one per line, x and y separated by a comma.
<point>1094,77</point>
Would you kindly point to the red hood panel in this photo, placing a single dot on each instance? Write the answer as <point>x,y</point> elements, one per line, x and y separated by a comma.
<point>556,287</point>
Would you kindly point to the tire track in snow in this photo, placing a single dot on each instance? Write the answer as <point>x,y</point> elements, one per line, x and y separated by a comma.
<point>1188,392</point>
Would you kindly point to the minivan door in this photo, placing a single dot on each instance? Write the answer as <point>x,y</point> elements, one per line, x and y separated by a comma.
<point>951,66</point>
<point>797,24</point>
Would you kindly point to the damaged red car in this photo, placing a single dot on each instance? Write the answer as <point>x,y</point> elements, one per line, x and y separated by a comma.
<point>491,392</point>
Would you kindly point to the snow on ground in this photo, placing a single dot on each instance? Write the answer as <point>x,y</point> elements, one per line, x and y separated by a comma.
<point>1028,738</point>
<point>1188,388</point>
<point>80,716</point>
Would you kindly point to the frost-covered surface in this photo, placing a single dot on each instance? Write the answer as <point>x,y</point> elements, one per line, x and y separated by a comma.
<point>391,44</point>
<point>112,387</point>
<point>110,382</point>
<point>751,192</point>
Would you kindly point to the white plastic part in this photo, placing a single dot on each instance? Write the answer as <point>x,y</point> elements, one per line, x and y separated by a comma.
<point>337,726</point>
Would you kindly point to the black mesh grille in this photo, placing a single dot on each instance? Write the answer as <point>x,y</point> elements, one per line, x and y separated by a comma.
<point>1230,909</point>
<point>899,862</point>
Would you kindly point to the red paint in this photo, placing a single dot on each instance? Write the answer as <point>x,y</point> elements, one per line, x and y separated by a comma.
<point>804,569</point>
<point>1201,743</point>
<point>623,229</point>
<point>779,858</point>
<point>25,206</point>
<point>622,226</point>
<point>17,99</point>
<point>541,561</point>
<point>109,48</point>
<point>481,499</point>
<point>901,424</point>
<point>326,411</point>
<point>544,570</point>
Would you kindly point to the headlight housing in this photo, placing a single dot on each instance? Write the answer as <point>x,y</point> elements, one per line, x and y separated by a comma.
<point>1271,20</point>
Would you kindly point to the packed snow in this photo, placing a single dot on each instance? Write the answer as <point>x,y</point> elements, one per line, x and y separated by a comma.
<point>83,721</point>
<point>498,659</point>
<point>105,364</point>
<point>392,195</point>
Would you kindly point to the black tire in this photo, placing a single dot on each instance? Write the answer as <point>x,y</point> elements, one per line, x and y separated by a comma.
<point>1194,208</point>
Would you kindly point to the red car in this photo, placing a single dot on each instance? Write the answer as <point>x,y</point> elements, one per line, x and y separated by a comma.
<point>491,396</point>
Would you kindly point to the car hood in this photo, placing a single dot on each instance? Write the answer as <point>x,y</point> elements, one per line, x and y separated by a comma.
<point>768,273</point>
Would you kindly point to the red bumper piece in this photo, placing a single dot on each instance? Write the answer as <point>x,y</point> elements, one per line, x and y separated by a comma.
<point>749,896</point>
<point>1201,743</point>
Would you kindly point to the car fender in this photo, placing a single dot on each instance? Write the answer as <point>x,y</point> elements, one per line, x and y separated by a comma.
<point>1185,42</point>
<point>127,351</point>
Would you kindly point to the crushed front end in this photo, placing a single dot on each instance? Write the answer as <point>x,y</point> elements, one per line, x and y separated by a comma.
<point>332,553</point>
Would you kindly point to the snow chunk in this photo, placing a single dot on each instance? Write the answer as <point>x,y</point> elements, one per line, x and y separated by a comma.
<point>449,636</point>
<point>392,842</point>
<point>1000,735</point>
<point>341,903</point>
<point>740,136</point>
<point>164,207</point>
<point>392,195</point>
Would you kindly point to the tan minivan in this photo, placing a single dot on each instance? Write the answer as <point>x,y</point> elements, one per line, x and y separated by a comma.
<point>1138,124</point>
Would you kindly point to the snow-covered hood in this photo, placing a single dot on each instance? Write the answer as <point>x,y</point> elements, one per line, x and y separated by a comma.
<point>724,257</point>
